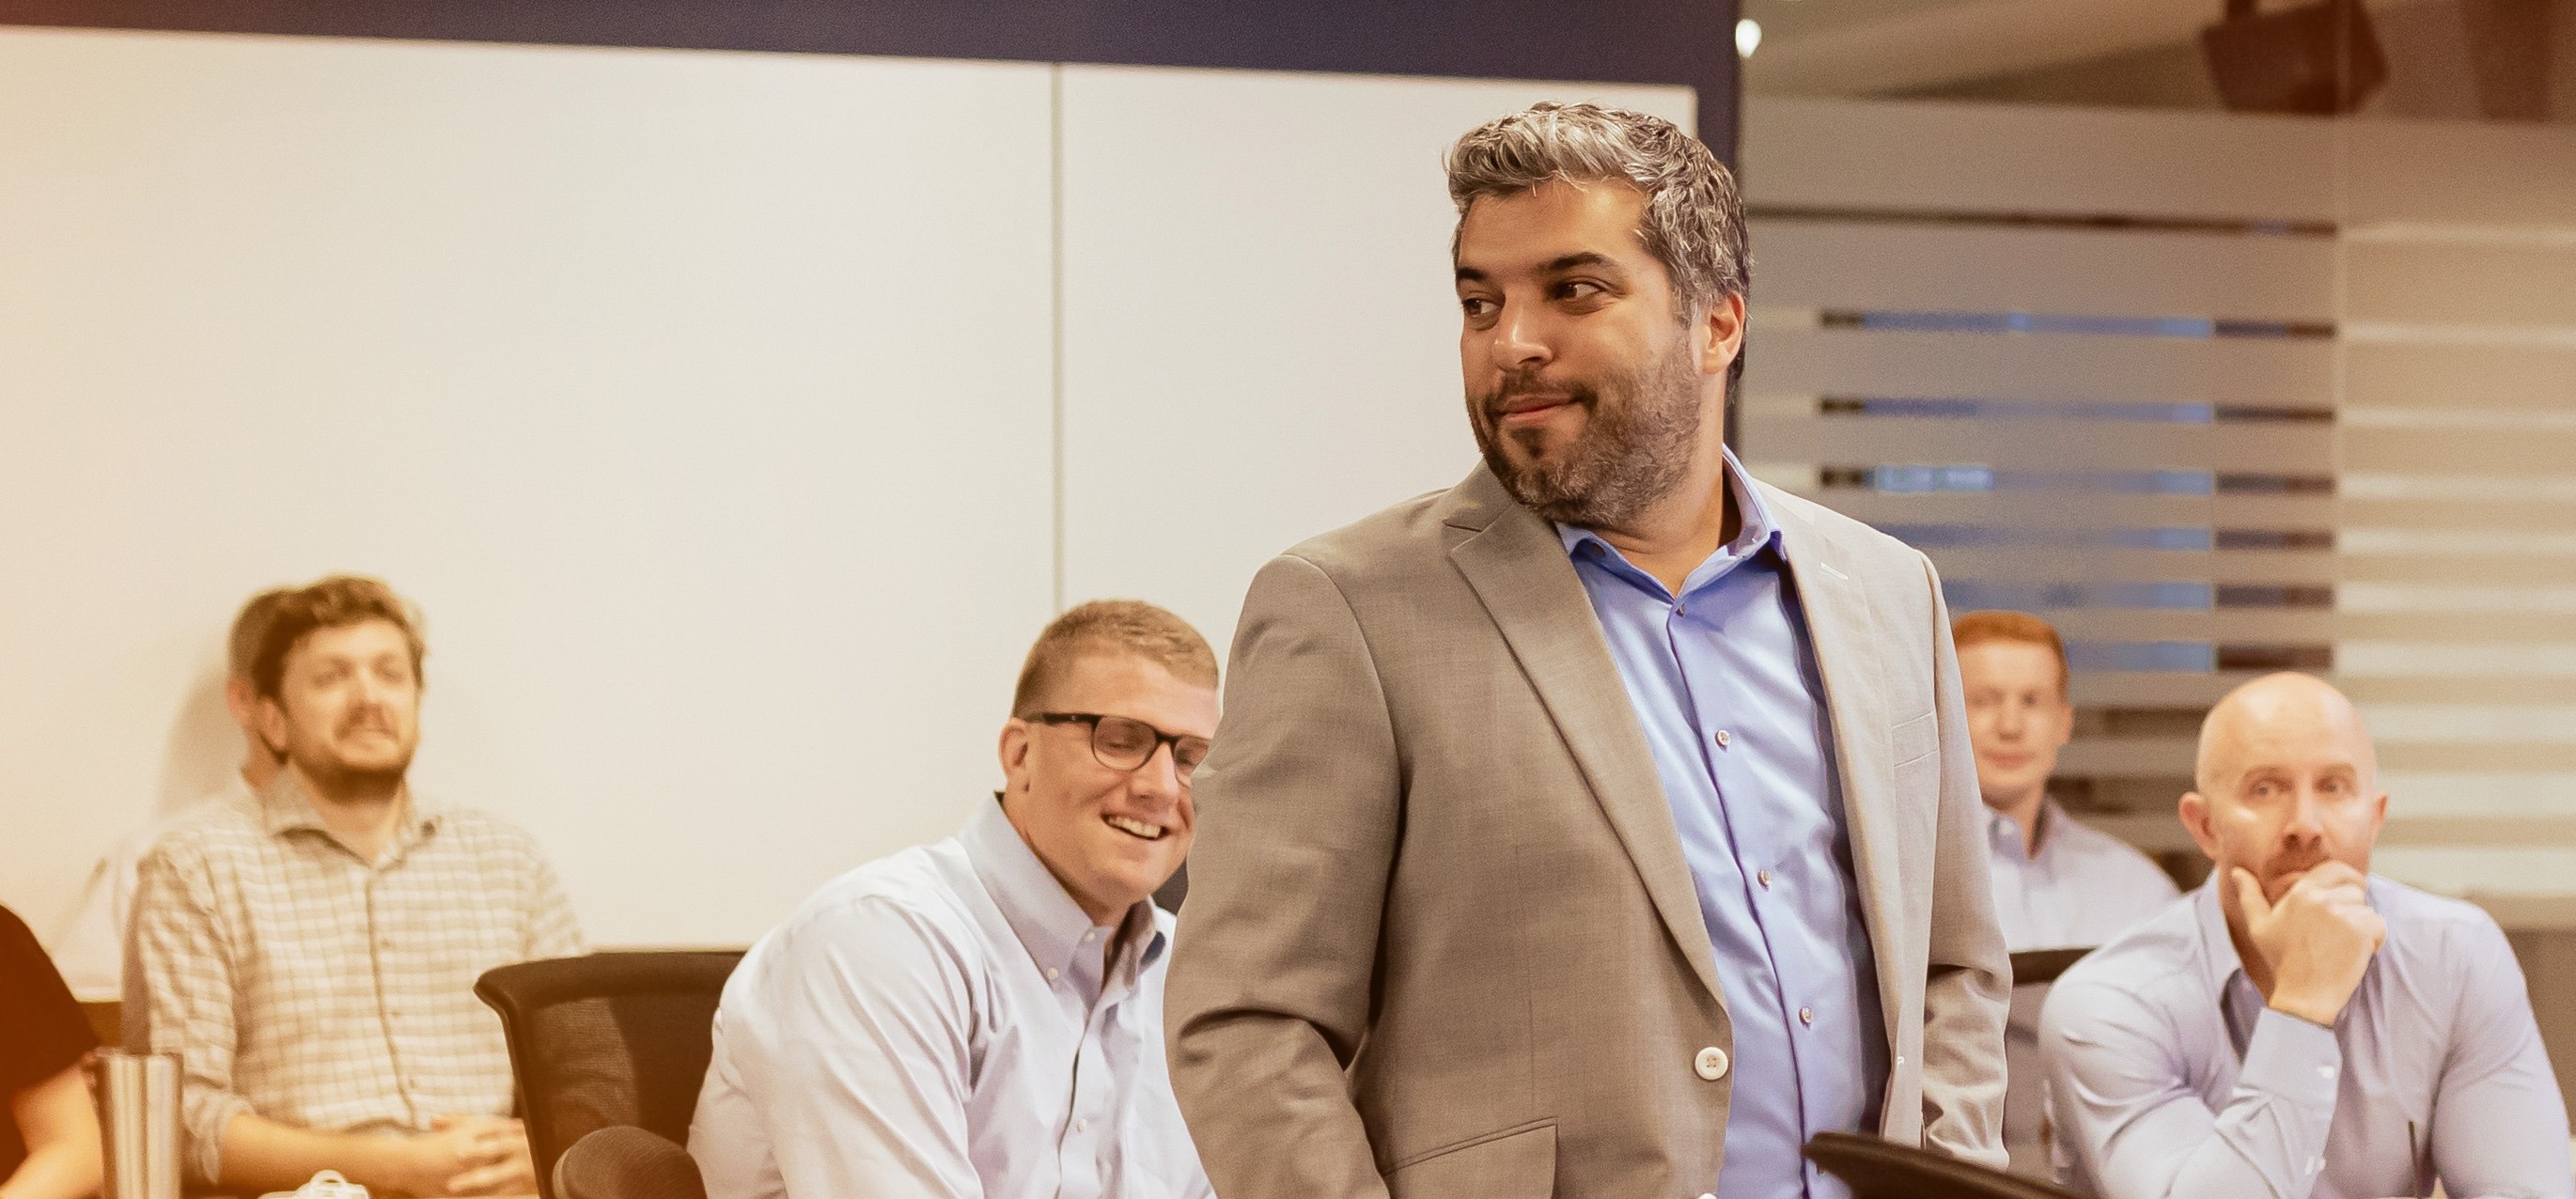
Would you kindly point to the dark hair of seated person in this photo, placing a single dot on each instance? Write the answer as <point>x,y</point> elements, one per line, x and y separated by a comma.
<point>42,1031</point>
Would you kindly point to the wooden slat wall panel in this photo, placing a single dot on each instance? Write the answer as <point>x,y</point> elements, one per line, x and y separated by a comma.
<point>2055,445</point>
<point>2530,452</point>
<point>2496,515</point>
<point>2452,173</point>
<point>2446,377</point>
<point>2435,283</point>
<point>2072,272</point>
<point>1976,158</point>
<point>2285,372</point>
<point>2093,511</point>
<point>2280,567</point>
<point>2443,476</point>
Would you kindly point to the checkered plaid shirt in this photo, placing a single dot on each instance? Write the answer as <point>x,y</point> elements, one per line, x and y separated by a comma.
<point>319,990</point>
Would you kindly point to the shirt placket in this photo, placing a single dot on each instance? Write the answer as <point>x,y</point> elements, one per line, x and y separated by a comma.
<point>1753,848</point>
<point>1082,1164</point>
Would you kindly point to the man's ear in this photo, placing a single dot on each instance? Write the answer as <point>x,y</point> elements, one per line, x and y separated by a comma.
<point>2195,815</point>
<point>1014,754</point>
<point>242,700</point>
<point>272,725</point>
<point>1724,322</point>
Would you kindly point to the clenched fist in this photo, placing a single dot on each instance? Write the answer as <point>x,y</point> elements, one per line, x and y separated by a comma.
<point>2317,940</point>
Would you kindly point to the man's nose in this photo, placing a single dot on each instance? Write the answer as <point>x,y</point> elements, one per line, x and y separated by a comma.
<point>2010,720</point>
<point>2307,816</point>
<point>1519,341</point>
<point>1159,777</point>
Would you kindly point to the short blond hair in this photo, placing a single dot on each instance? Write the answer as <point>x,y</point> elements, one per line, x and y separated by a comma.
<point>1111,628</point>
<point>1977,628</point>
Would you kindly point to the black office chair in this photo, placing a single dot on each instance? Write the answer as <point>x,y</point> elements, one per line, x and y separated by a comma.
<point>2027,1134</point>
<point>607,1040</point>
<point>626,1162</point>
<point>1876,1169</point>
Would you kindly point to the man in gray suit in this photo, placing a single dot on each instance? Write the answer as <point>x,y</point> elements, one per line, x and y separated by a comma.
<point>1605,825</point>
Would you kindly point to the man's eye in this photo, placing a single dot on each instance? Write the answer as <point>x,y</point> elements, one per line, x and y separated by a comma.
<point>1578,289</point>
<point>1476,306</point>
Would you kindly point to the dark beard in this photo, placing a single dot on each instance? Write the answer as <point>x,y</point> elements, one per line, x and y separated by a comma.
<point>1634,451</point>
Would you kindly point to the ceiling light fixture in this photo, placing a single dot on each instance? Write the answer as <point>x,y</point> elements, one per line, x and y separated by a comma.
<point>1748,37</point>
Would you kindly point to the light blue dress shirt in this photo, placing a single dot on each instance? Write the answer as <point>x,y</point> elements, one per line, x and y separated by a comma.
<point>2171,1078</point>
<point>2081,889</point>
<point>1724,681</point>
<point>943,1023</point>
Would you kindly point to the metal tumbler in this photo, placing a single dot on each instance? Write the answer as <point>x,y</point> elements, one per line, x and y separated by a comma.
<point>138,1123</point>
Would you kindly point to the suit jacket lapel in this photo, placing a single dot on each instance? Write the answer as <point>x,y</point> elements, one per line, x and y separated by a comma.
<point>1520,571</point>
<point>1841,632</point>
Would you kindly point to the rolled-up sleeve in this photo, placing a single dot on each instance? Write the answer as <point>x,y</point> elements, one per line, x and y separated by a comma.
<point>179,997</point>
<point>2125,1105</point>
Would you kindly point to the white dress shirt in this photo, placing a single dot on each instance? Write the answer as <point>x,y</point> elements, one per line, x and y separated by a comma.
<point>2081,889</point>
<point>941,1022</point>
<point>2172,1080</point>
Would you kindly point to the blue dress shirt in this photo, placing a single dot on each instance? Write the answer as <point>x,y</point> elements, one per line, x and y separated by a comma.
<point>1724,681</point>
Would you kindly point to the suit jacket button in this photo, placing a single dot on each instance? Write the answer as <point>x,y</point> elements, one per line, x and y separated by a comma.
<point>1711,1063</point>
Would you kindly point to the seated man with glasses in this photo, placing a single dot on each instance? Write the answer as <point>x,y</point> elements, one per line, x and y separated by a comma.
<point>984,1015</point>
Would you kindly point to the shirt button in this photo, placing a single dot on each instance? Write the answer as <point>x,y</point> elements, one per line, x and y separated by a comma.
<point>1806,1015</point>
<point>1080,1125</point>
<point>1763,877</point>
<point>1723,737</point>
<point>1711,1063</point>
<point>1051,974</point>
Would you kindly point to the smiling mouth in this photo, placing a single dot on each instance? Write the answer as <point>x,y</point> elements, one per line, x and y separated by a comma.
<point>1134,828</point>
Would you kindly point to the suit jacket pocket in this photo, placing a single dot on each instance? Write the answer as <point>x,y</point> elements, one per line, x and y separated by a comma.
<point>1515,1163</point>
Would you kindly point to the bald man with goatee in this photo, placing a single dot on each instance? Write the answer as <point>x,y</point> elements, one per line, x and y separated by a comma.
<point>2299,1027</point>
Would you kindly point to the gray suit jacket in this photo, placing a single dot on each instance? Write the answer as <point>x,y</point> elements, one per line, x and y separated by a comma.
<point>1441,939</point>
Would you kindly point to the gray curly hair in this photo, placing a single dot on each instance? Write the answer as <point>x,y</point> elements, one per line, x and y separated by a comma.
<point>1694,222</point>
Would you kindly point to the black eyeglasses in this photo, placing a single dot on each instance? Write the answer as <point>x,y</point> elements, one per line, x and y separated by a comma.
<point>1124,743</point>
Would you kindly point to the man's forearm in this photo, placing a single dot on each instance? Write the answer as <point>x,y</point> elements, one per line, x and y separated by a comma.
<point>261,1155</point>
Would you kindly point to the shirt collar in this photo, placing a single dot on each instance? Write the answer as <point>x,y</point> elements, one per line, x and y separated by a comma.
<point>1757,530</point>
<point>285,806</point>
<point>2222,971</point>
<point>2003,833</point>
<point>1041,913</point>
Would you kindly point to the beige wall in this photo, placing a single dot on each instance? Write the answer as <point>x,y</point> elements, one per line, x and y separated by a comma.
<point>735,418</point>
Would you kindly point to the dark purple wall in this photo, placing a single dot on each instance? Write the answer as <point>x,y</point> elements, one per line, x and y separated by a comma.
<point>1688,42</point>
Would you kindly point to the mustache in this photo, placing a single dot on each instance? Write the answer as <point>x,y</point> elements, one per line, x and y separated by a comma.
<point>1516,387</point>
<point>367,722</point>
